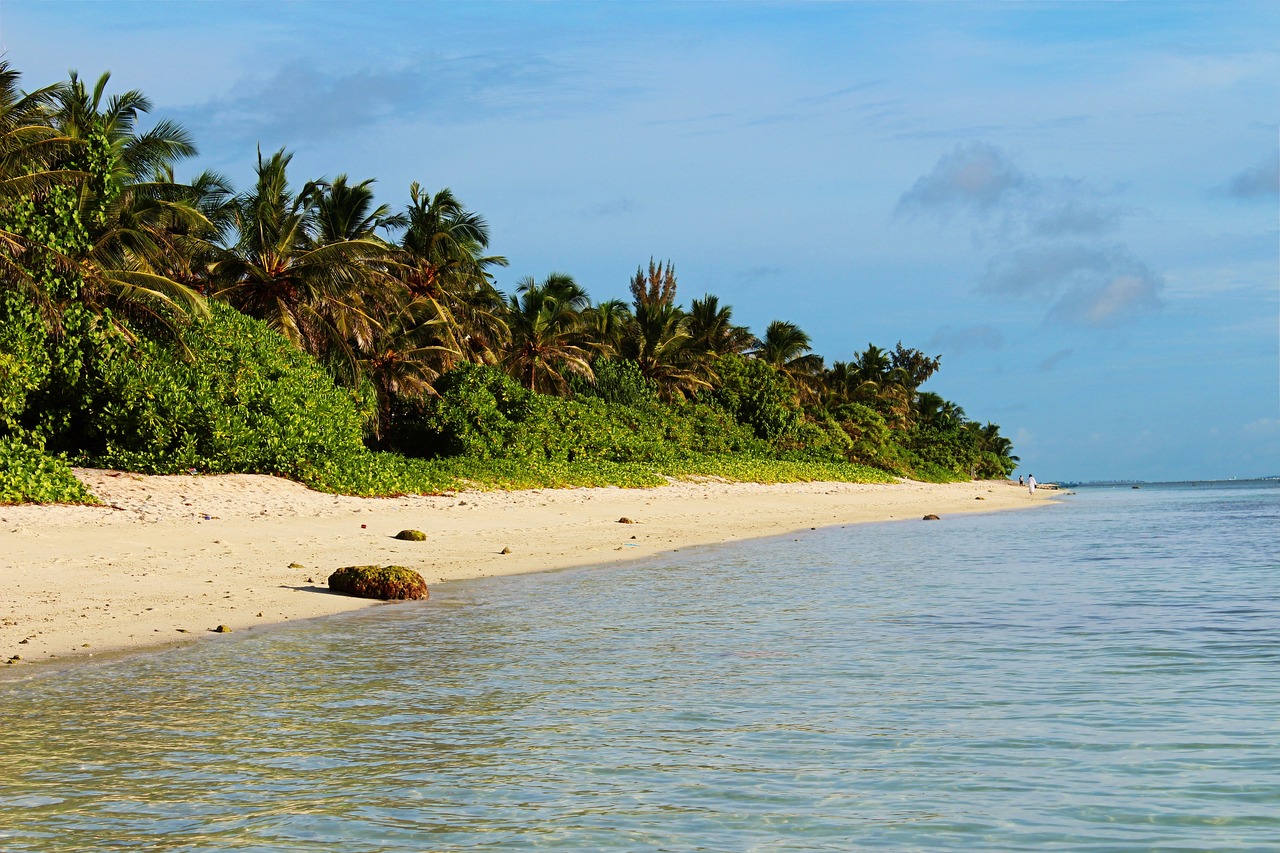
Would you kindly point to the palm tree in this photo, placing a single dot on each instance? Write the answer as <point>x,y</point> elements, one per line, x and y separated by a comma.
<point>546,334</point>
<point>444,263</point>
<point>712,330</point>
<point>606,326</point>
<point>325,297</point>
<point>345,211</point>
<point>124,211</point>
<point>658,340</point>
<point>33,166</point>
<point>192,245</point>
<point>400,360</point>
<point>661,345</point>
<point>933,410</point>
<point>786,347</point>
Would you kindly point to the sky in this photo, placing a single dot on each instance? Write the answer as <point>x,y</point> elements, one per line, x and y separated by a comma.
<point>1074,204</point>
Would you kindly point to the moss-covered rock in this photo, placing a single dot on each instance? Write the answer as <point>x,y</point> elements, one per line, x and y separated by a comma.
<point>387,583</point>
<point>412,535</point>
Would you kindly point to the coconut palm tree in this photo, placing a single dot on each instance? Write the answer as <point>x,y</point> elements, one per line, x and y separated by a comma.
<point>658,339</point>
<point>786,347</point>
<point>120,253</point>
<point>443,262</point>
<point>546,334</point>
<point>345,211</point>
<point>325,297</point>
<point>400,361</point>
<point>606,326</point>
<point>711,328</point>
<point>33,167</point>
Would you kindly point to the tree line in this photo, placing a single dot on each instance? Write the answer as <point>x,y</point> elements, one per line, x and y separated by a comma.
<point>104,252</point>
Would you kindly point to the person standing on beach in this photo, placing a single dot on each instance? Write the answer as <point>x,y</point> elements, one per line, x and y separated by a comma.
<point>1020,483</point>
<point>1031,484</point>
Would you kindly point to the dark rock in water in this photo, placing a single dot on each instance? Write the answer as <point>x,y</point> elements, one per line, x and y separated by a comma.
<point>1137,487</point>
<point>412,535</point>
<point>386,583</point>
<point>625,520</point>
<point>931,517</point>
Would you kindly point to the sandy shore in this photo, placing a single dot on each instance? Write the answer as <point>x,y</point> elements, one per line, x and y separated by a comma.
<point>168,559</point>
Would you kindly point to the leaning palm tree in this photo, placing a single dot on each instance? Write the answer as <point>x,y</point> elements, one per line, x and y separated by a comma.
<point>325,297</point>
<point>546,334</point>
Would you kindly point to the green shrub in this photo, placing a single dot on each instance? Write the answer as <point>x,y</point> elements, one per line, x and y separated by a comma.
<point>243,400</point>
<point>618,381</point>
<point>29,475</point>
<point>480,413</point>
<point>756,395</point>
<point>24,358</point>
<point>942,453</point>
<point>816,438</point>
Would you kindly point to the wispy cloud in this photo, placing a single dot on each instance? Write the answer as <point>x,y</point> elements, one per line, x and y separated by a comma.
<point>967,338</point>
<point>617,207</point>
<point>1257,182</point>
<point>1053,231</point>
<point>973,177</point>
<point>757,273</point>
<point>304,99</point>
<point>1051,363</point>
<point>1083,285</point>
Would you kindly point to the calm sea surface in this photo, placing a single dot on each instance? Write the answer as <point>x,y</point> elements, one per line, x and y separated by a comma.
<point>1100,675</point>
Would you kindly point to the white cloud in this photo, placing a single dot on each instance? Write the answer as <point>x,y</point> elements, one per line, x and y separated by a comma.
<point>977,176</point>
<point>1082,285</point>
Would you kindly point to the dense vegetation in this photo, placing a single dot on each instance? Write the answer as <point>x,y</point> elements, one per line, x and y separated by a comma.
<point>156,325</point>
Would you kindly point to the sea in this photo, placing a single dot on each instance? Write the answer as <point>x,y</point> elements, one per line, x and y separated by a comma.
<point>1100,674</point>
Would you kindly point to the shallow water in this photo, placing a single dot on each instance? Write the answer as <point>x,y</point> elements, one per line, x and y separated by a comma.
<point>1102,675</point>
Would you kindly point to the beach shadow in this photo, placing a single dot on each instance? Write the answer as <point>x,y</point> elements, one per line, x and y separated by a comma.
<point>311,588</point>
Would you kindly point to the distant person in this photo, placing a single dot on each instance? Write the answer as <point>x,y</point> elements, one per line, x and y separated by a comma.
<point>1031,484</point>
<point>1020,480</point>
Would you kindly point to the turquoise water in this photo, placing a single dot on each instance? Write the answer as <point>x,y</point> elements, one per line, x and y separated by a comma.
<point>1100,675</point>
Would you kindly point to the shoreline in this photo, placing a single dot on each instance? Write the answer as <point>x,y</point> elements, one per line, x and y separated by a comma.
<point>167,559</point>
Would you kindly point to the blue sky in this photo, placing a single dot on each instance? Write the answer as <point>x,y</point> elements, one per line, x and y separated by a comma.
<point>1075,204</point>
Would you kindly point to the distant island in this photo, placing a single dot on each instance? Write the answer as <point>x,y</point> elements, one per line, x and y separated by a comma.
<point>158,325</point>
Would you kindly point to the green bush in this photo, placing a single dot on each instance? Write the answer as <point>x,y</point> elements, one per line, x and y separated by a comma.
<point>942,453</point>
<point>24,358</point>
<point>757,396</point>
<point>29,475</point>
<point>243,400</point>
<point>817,438</point>
<point>618,381</point>
<point>480,413</point>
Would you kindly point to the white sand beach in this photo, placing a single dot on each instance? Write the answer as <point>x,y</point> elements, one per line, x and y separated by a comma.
<point>168,559</point>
